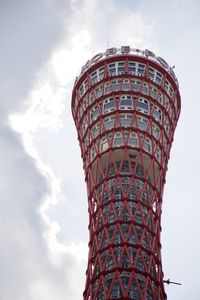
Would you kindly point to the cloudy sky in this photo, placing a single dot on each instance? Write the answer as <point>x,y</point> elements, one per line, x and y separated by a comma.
<point>43,204</point>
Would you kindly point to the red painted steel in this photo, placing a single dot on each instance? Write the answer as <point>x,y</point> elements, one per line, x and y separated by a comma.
<point>125,108</point>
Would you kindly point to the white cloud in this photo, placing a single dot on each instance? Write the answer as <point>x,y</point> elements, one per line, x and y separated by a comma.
<point>40,201</point>
<point>28,271</point>
<point>42,266</point>
<point>66,60</point>
<point>45,112</point>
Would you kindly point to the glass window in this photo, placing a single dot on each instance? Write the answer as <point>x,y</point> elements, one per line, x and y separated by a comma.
<point>166,103</point>
<point>145,89</point>
<point>109,263</point>
<point>132,238</point>
<point>126,120</point>
<point>160,98</point>
<point>83,126</point>
<point>107,88</point>
<point>136,86</point>
<point>105,240</point>
<point>104,144</point>
<point>139,265</point>
<point>153,92</point>
<point>142,123</point>
<point>81,90</point>
<point>151,73</point>
<point>156,131</point>
<point>112,68</point>
<point>157,114</point>
<point>133,140</point>
<point>171,91</point>
<point>118,141</point>
<point>116,85</point>
<point>126,85</point>
<point>92,153</point>
<point>158,154</point>
<point>143,104</point>
<point>109,122</point>
<point>86,84</point>
<point>94,77</point>
<point>98,91</point>
<point>158,77</point>
<point>111,218</point>
<point>132,67</point>
<point>109,105</point>
<point>167,86</point>
<point>91,97</point>
<point>126,102</point>
<point>147,145</point>
<point>94,113</point>
<point>85,102</point>
<point>120,68</point>
<point>101,73</point>
<point>138,217</point>
<point>116,291</point>
<point>140,69</point>
<point>141,65</point>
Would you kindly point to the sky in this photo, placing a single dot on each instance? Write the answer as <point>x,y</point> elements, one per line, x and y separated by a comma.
<point>43,201</point>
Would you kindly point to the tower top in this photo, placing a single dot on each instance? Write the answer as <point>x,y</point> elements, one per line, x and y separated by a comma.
<point>127,50</point>
<point>126,54</point>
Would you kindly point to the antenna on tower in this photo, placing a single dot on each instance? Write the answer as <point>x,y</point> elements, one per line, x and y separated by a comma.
<point>168,281</point>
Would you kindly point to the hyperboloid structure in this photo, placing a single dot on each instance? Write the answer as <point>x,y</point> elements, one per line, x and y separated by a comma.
<point>125,105</point>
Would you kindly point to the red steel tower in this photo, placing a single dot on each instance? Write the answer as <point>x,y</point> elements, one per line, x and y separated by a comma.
<point>125,105</point>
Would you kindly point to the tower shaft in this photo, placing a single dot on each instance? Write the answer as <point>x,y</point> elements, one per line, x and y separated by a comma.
<point>125,106</point>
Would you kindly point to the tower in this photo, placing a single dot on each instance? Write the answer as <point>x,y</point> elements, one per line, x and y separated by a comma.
<point>125,104</point>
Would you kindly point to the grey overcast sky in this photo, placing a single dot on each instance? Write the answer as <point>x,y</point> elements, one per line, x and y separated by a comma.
<point>43,204</point>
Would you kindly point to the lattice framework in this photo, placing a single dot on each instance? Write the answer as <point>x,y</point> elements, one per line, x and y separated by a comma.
<point>125,150</point>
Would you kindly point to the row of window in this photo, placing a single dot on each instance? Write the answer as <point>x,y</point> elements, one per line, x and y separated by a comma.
<point>120,255</point>
<point>117,294</point>
<point>124,167</point>
<point>126,120</point>
<point>123,85</point>
<point>124,262</point>
<point>126,102</point>
<point>125,276</point>
<point>125,138</point>
<point>130,139</point>
<point>116,190</point>
<point>104,239</point>
<point>111,218</point>
<point>131,190</point>
<point>127,85</point>
<point>134,192</point>
<point>125,215</point>
<point>118,68</point>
